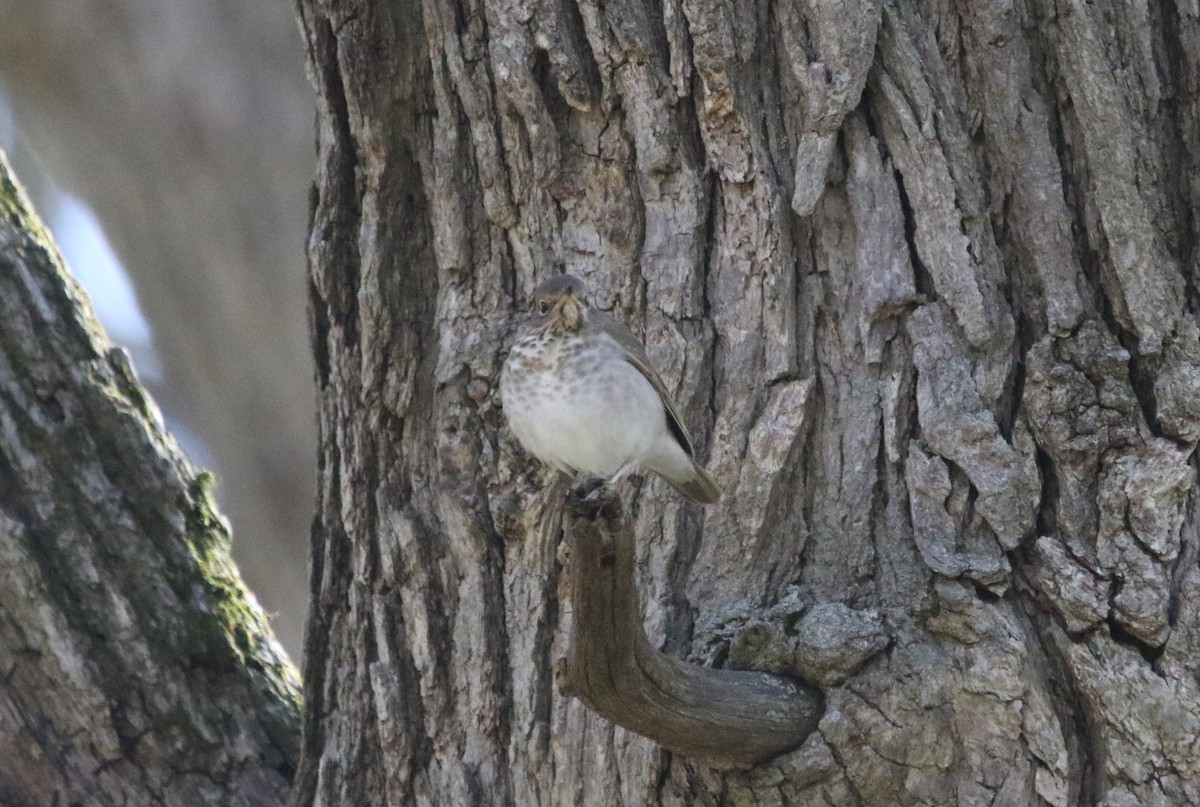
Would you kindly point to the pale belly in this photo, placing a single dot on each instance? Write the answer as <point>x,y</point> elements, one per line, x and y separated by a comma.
<point>595,424</point>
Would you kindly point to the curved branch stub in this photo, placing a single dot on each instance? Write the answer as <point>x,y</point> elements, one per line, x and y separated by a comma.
<point>723,718</point>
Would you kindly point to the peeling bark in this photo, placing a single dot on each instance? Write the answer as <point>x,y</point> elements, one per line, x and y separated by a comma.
<point>921,277</point>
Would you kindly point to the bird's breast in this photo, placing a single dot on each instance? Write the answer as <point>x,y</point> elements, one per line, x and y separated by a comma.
<point>578,405</point>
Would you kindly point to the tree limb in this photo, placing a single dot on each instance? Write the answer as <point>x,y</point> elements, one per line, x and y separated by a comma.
<point>724,718</point>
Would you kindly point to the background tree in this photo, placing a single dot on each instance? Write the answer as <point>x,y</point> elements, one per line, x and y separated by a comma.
<point>187,126</point>
<point>134,666</point>
<point>922,279</point>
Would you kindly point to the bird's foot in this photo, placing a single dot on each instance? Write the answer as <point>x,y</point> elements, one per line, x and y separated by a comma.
<point>587,488</point>
<point>590,497</point>
<point>620,474</point>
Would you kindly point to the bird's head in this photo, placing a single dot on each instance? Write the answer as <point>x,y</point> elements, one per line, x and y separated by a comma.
<point>559,303</point>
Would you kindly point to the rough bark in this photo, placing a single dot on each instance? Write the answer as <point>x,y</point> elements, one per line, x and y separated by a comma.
<point>134,666</point>
<point>921,276</point>
<point>187,126</point>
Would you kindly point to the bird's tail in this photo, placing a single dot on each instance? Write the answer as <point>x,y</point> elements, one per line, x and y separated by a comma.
<point>695,484</point>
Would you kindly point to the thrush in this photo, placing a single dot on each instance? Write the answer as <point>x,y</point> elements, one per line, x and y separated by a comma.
<point>580,394</point>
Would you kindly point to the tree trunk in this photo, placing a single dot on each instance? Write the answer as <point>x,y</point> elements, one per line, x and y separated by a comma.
<point>134,666</point>
<point>921,277</point>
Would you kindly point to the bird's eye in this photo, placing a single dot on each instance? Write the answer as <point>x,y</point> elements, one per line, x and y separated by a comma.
<point>544,307</point>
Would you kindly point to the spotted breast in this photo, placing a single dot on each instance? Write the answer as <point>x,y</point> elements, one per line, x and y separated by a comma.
<point>579,393</point>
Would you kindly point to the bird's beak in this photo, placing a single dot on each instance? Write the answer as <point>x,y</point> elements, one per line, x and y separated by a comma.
<point>571,310</point>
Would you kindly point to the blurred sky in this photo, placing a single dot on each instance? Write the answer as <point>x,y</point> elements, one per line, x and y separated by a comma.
<point>91,260</point>
<point>88,254</point>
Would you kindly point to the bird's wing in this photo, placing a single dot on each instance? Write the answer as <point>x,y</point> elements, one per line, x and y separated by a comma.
<point>635,354</point>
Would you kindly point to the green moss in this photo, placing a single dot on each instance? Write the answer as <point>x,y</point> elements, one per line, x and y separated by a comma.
<point>15,208</point>
<point>204,486</point>
<point>240,635</point>
<point>205,525</point>
<point>128,386</point>
<point>17,213</point>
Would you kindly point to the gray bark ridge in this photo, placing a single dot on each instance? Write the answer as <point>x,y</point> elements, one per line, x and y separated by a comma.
<point>135,668</point>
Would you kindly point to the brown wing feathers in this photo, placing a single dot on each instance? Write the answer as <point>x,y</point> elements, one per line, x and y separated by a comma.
<point>635,354</point>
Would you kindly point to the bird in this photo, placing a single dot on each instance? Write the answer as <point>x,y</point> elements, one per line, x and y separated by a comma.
<point>579,393</point>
